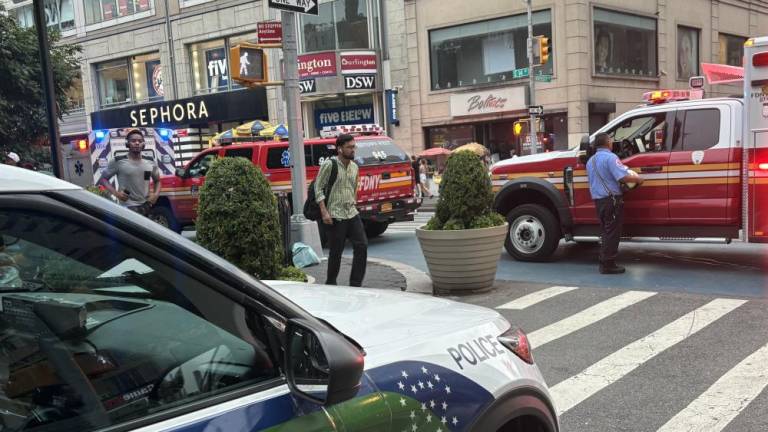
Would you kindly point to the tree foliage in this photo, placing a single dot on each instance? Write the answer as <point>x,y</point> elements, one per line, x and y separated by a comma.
<point>238,219</point>
<point>23,126</point>
<point>466,196</point>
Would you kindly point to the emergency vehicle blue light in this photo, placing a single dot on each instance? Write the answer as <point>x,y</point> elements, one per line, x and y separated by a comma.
<point>100,134</point>
<point>165,133</point>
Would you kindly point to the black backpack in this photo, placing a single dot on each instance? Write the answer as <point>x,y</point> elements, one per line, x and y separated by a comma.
<point>311,207</point>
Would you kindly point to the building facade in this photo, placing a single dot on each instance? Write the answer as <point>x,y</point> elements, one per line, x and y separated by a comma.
<point>461,75</point>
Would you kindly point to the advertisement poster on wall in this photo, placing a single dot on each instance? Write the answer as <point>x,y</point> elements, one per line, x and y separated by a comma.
<point>216,65</point>
<point>154,79</point>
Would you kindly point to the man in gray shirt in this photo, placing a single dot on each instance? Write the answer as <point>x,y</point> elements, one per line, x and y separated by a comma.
<point>133,176</point>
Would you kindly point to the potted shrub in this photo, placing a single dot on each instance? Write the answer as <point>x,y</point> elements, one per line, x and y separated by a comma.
<point>238,219</point>
<point>463,241</point>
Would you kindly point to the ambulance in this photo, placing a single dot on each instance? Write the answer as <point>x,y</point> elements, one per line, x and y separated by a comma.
<point>705,162</point>
<point>385,190</point>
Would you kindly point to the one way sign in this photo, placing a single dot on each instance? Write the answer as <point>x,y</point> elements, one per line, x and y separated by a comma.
<point>308,7</point>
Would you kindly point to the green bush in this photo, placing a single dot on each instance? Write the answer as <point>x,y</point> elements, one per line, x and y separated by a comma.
<point>99,191</point>
<point>238,220</point>
<point>291,273</point>
<point>466,196</point>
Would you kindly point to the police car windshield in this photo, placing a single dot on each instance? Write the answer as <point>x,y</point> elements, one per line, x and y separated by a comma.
<point>376,152</point>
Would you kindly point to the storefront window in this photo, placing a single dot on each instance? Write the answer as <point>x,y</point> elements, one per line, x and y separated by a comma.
<point>450,137</point>
<point>75,96</point>
<point>341,24</point>
<point>731,49</point>
<point>59,15</point>
<point>624,44</point>
<point>210,64</point>
<point>484,52</point>
<point>136,79</point>
<point>97,11</point>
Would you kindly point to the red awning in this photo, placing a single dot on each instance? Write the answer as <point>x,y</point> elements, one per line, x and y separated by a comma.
<point>722,74</point>
<point>436,151</point>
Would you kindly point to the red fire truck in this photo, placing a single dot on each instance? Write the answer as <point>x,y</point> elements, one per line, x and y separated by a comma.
<point>385,191</point>
<point>705,162</point>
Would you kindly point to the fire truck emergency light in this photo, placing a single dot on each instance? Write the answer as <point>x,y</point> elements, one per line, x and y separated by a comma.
<point>361,129</point>
<point>662,96</point>
<point>82,145</point>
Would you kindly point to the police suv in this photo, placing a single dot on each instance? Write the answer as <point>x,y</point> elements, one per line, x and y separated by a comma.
<point>119,324</point>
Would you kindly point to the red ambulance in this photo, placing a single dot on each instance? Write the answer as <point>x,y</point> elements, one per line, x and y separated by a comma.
<point>705,162</point>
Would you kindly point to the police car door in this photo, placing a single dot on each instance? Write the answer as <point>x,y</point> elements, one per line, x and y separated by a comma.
<point>641,142</point>
<point>703,167</point>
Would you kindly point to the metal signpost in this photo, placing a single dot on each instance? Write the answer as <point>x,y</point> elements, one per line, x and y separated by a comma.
<point>531,80</point>
<point>48,86</point>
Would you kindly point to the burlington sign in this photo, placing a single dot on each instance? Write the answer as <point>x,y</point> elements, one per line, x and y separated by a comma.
<point>488,102</point>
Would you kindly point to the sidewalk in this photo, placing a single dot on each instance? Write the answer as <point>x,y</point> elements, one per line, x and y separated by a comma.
<point>378,274</point>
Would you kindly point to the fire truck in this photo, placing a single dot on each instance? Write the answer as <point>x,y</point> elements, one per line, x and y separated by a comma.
<point>385,190</point>
<point>705,164</point>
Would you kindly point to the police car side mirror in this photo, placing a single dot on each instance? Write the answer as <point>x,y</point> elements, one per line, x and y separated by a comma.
<point>321,365</point>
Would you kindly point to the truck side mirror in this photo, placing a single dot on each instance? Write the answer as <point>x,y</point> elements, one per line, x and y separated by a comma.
<point>181,172</point>
<point>322,366</point>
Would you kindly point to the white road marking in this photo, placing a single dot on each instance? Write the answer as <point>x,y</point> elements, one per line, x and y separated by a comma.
<point>586,317</point>
<point>725,399</point>
<point>536,297</point>
<point>574,390</point>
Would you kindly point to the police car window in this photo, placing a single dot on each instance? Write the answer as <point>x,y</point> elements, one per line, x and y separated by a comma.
<point>201,166</point>
<point>95,333</point>
<point>375,152</point>
<point>640,135</point>
<point>701,129</point>
<point>241,152</point>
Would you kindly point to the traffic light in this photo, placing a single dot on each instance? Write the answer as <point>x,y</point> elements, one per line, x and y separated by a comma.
<point>248,64</point>
<point>543,50</point>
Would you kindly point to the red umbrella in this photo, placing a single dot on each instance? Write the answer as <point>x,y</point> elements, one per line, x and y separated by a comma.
<point>436,151</point>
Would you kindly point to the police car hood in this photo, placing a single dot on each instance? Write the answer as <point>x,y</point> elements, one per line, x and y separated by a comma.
<point>539,157</point>
<point>375,317</point>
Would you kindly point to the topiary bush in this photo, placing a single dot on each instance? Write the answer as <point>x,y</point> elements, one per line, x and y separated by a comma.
<point>466,196</point>
<point>238,220</point>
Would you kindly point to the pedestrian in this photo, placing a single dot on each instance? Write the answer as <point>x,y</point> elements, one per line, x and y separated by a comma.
<point>133,176</point>
<point>415,175</point>
<point>11,158</point>
<point>606,173</point>
<point>340,216</point>
<point>423,185</point>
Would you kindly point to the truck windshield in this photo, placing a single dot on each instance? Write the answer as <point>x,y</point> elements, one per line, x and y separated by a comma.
<point>375,152</point>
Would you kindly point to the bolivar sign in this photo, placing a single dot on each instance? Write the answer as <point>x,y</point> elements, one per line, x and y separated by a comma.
<point>308,7</point>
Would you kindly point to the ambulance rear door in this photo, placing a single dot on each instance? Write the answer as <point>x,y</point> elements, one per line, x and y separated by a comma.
<point>756,138</point>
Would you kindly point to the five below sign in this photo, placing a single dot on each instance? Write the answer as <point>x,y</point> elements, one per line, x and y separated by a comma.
<point>300,6</point>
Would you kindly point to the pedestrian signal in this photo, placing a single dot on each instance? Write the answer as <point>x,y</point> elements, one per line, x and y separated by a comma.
<point>248,64</point>
<point>517,128</point>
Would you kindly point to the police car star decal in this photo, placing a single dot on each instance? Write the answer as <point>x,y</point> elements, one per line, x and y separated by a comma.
<point>428,397</point>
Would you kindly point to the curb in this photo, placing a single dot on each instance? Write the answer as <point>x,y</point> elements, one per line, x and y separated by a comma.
<point>415,280</point>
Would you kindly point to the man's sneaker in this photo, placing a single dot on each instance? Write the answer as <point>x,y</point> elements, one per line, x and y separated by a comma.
<point>611,268</point>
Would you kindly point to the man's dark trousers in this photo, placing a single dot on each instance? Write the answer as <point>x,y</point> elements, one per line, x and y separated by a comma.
<point>611,218</point>
<point>338,234</point>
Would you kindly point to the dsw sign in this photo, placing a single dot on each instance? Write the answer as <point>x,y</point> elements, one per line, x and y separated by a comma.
<point>360,82</point>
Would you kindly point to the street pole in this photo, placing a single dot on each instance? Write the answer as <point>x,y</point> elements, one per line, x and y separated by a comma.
<point>48,87</point>
<point>171,50</point>
<point>531,81</point>
<point>302,229</point>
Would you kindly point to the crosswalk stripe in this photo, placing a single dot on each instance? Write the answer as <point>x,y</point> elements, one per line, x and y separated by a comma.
<point>574,390</point>
<point>586,317</point>
<point>536,297</point>
<point>725,399</point>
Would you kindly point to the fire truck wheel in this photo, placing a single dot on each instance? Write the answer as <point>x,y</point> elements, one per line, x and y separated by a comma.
<point>375,229</point>
<point>533,233</point>
<point>164,216</point>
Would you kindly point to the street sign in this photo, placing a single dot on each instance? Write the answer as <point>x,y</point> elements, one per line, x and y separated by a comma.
<point>308,7</point>
<point>270,32</point>
<point>536,110</point>
<point>543,78</point>
<point>520,73</point>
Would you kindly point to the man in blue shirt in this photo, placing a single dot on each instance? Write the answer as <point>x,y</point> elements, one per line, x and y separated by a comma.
<point>606,173</point>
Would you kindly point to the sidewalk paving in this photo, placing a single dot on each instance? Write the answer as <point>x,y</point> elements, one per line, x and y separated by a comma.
<point>376,275</point>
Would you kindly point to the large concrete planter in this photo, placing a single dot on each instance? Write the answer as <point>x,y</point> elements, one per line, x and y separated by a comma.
<point>462,261</point>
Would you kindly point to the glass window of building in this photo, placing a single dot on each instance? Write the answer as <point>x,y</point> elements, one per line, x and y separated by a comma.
<point>341,24</point>
<point>210,63</point>
<point>484,52</point>
<point>625,44</point>
<point>687,52</point>
<point>131,80</point>
<point>76,96</point>
<point>59,14</point>
<point>731,49</point>
<point>97,11</point>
